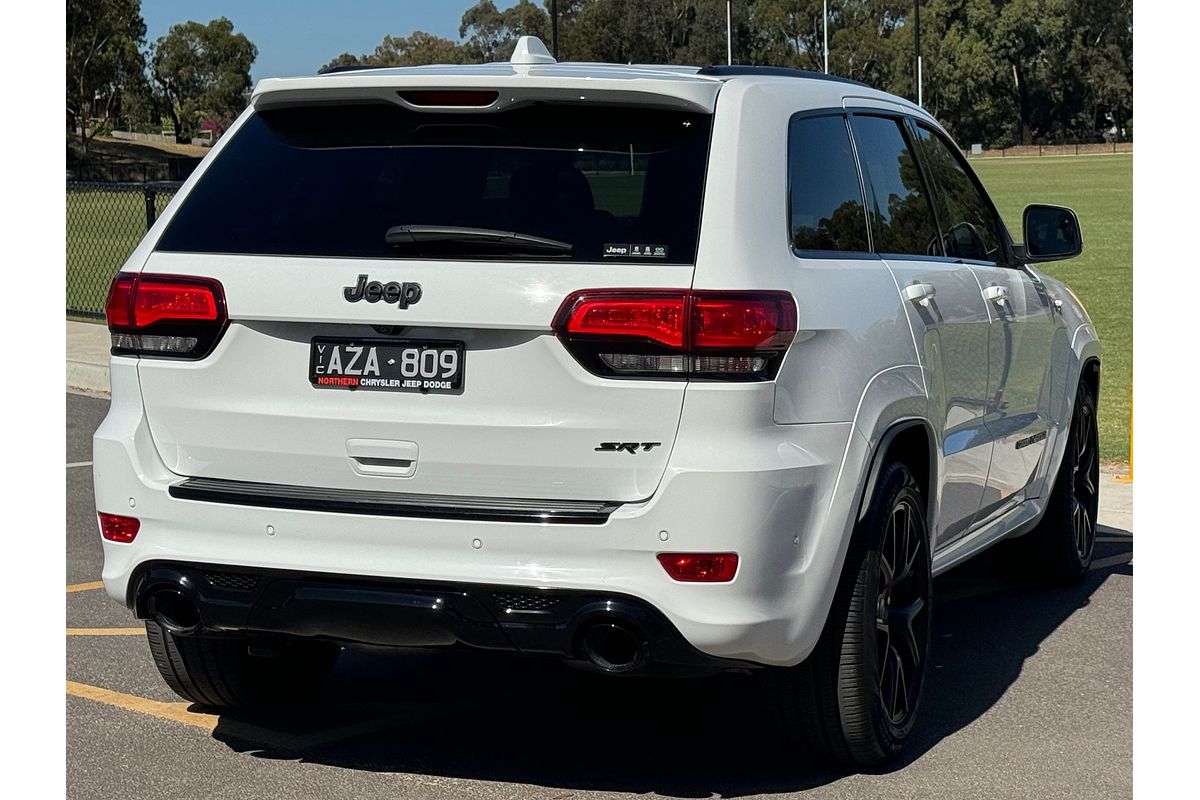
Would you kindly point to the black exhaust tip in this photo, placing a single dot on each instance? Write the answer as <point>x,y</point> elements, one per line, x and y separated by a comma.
<point>175,611</point>
<point>612,646</point>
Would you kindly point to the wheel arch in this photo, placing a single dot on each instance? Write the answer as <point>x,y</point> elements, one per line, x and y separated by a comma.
<point>912,442</point>
<point>1088,373</point>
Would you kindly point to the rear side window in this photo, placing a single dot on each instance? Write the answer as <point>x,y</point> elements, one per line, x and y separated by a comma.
<point>972,230</point>
<point>825,202</point>
<point>902,219</point>
<point>615,184</point>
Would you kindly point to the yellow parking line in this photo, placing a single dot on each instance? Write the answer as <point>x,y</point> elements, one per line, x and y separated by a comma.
<point>175,712</point>
<point>83,587</point>
<point>401,716</point>
<point>106,631</point>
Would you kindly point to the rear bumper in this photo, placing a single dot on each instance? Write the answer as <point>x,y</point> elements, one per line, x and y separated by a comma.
<point>776,500</point>
<point>400,613</point>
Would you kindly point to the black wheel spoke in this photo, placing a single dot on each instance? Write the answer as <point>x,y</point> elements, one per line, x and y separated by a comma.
<point>907,637</point>
<point>890,683</point>
<point>1083,533</point>
<point>912,544</point>
<point>887,559</point>
<point>1087,485</point>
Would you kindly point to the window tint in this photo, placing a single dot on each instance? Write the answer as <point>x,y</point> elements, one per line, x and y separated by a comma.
<point>618,184</point>
<point>901,217</point>
<point>824,195</point>
<point>972,231</point>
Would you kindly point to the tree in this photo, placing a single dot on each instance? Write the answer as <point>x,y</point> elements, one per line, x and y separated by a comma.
<point>861,47</point>
<point>789,33</point>
<point>492,35</point>
<point>997,72</point>
<point>203,72</point>
<point>103,41</point>
<point>407,51</point>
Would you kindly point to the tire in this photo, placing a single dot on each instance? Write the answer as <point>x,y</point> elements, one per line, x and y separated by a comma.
<point>1059,550</point>
<point>854,700</point>
<point>223,672</point>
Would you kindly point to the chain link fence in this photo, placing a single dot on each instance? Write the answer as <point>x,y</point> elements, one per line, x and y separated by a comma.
<point>105,222</point>
<point>1025,151</point>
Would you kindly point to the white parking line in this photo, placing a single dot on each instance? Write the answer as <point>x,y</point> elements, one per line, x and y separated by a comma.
<point>78,464</point>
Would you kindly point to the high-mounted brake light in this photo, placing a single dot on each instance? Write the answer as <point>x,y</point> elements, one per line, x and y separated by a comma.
<point>700,567</point>
<point>166,315</point>
<point>678,333</point>
<point>449,98</point>
<point>118,529</point>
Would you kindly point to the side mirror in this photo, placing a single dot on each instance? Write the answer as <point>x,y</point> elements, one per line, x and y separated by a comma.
<point>1051,233</point>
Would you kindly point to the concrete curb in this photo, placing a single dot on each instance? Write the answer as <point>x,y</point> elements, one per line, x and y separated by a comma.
<point>87,357</point>
<point>89,378</point>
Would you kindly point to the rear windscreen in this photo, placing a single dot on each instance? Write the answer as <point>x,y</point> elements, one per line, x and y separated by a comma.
<point>615,183</point>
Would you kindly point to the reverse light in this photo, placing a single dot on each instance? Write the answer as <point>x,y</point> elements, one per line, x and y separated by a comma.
<point>166,315</point>
<point>678,333</point>
<point>118,529</point>
<point>700,567</point>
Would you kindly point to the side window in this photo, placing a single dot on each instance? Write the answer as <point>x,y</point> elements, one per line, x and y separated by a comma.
<point>825,204</point>
<point>972,230</point>
<point>902,219</point>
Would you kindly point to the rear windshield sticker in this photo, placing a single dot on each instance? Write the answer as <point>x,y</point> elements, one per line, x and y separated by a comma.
<point>635,251</point>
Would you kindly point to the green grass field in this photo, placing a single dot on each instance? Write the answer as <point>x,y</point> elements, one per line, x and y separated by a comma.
<point>1100,189</point>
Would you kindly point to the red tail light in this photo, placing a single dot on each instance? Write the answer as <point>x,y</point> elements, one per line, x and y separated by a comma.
<point>656,318</point>
<point>678,333</point>
<point>118,529</point>
<point>166,315</point>
<point>700,567</point>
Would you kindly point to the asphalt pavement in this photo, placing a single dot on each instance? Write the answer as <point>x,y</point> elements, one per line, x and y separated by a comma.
<point>1030,695</point>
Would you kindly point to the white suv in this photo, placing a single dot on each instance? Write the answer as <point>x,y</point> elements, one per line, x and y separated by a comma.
<point>651,369</point>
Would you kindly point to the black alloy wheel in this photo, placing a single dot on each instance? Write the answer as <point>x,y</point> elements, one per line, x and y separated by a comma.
<point>1059,550</point>
<point>902,613</point>
<point>1085,478</point>
<point>854,700</point>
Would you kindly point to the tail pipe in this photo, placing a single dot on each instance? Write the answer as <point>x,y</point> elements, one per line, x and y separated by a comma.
<point>174,611</point>
<point>613,645</point>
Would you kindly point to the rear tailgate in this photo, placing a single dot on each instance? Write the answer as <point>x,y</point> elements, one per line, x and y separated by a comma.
<point>291,219</point>
<point>526,424</point>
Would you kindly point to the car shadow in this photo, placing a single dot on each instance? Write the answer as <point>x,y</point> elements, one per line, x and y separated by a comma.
<point>532,721</point>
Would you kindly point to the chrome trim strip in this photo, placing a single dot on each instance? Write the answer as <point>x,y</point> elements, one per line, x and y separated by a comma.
<point>394,504</point>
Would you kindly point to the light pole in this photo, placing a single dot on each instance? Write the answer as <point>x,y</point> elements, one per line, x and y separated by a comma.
<point>917,48</point>
<point>825,25</point>
<point>729,31</point>
<point>554,28</point>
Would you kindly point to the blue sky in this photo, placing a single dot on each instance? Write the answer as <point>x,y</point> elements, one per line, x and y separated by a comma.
<point>298,36</point>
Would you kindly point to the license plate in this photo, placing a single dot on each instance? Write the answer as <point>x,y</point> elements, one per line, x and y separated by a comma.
<point>387,365</point>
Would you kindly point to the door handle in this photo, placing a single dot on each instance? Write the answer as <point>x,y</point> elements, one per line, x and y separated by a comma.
<point>382,457</point>
<point>996,293</point>
<point>919,293</point>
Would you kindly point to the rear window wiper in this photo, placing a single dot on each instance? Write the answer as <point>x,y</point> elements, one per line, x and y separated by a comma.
<point>488,238</point>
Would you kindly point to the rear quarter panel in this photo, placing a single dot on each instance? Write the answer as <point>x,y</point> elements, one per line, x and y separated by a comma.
<point>852,326</point>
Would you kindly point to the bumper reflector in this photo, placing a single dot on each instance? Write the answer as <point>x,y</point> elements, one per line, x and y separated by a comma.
<point>700,567</point>
<point>118,529</point>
